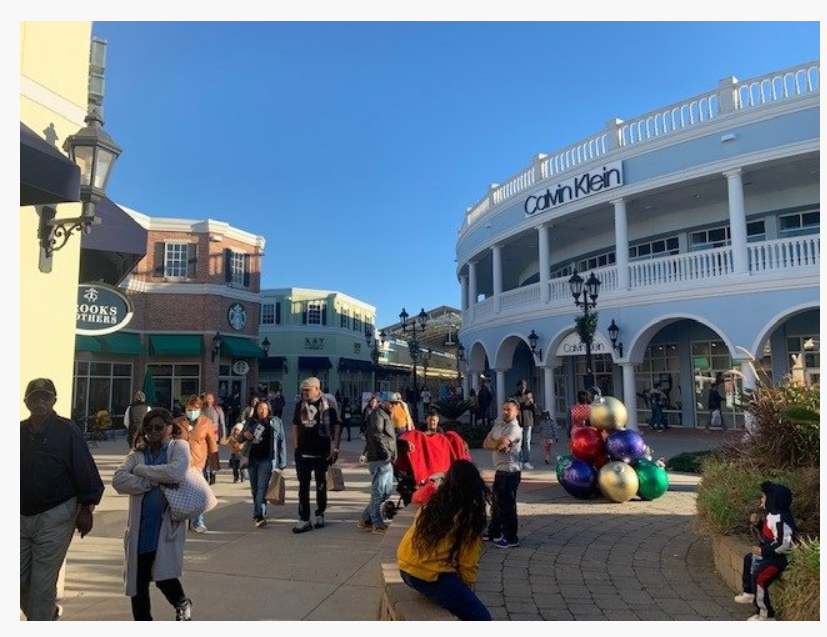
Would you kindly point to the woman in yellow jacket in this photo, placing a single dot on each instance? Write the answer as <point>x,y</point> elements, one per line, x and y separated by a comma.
<point>440,553</point>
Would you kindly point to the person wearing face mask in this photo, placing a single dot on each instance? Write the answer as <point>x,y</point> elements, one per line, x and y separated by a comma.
<point>200,432</point>
<point>59,488</point>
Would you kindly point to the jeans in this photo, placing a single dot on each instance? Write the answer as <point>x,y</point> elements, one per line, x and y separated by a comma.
<point>305,468</point>
<point>657,417</point>
<point>381,487</point>
<point>450,592</point>
<point>525,446</point>
<point>259,471</point>
<point>504,505</point>
<point>171,588</point>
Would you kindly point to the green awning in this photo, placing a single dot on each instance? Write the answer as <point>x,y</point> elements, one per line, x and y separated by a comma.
<point>240,347</point>
<point>175,344</point>
<point>120,343</point>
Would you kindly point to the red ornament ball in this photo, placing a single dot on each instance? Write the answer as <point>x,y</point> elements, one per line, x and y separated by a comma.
<point>587,444</point>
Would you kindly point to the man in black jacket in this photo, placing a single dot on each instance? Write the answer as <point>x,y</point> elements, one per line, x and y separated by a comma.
<point>59,488</point>
<point>380,453</point>
<point>134,416</point>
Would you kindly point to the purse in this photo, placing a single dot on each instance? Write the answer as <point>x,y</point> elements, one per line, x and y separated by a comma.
<point>335,479</point>
<point>275,490</point>
<point>191,498</point>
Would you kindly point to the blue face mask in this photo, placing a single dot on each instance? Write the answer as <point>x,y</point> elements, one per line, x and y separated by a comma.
<point>193,414</point>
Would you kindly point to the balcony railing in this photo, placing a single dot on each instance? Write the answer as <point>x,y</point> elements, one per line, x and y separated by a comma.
<point>783,254</point>
<point>692,266</point>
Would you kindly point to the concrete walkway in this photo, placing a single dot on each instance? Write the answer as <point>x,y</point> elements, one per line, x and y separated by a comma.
<point>578,560</point>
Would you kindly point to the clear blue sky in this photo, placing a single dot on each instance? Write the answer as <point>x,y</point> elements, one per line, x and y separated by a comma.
<point>355,148</point>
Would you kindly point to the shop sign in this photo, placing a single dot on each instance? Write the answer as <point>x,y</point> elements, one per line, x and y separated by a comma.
<point>313,342</point>
<point>240,368</point>
<point>101,309</point>
<point>571,346</point>
<point>575,188</point>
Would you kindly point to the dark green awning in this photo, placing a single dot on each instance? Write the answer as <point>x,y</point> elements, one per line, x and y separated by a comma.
<point>240,347</point>
<point>120,343</point>
<point>175,344</point>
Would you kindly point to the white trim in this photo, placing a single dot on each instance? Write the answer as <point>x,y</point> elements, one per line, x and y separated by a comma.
<point>196,289</point>
<point>289,294</point>
<point>47,98</point>
<point>269,329</point>
<point>776,321</point>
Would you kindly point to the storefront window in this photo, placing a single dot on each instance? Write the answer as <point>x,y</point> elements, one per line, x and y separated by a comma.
<point>804,358</point>
<point>100,386</point>
<point>661,364</point>
<point>174,381</point>
<point>603,365</point>
<point>711,361</point>
<point>561,406</point>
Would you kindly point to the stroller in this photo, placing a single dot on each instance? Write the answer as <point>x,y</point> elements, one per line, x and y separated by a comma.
<point>421,464</point>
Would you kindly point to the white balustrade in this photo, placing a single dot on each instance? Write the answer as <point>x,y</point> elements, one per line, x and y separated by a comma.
<point>670,119</point>
<point>780,85</point>
<point>513,186</point>
<point>576,154</point>
<point>783,254</point>
<point>691,266</point>
<point>484,308</point>
<point>521,297</point>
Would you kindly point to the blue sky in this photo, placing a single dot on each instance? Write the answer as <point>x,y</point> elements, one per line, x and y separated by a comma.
<point>355,148</point>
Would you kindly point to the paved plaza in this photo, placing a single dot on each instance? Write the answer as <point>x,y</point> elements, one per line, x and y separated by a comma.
<point>592,560</point>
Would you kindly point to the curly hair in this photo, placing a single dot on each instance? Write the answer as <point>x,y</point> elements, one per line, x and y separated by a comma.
<point>456,509</point>
<point>139,441</point>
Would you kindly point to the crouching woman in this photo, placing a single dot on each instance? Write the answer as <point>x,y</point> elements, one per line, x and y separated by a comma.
<point>154,541</point>
<point>440,553</point>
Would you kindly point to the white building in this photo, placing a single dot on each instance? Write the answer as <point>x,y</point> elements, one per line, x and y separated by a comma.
<point>700,219</point>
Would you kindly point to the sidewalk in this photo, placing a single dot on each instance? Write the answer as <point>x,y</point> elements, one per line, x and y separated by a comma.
<point>577,560</point>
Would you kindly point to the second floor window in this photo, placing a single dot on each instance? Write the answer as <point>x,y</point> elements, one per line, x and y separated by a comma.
<point>268,314</point>
<point>237,268</point>
<point>344,319</point>
<point>175,259</point>
<point>357,321</point>
<point>653,249</point>
<point>598,261</point>
<point>799,223</point>
<point>314,313</point>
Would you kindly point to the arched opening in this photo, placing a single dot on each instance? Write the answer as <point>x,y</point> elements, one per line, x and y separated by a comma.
<point>789,347</point>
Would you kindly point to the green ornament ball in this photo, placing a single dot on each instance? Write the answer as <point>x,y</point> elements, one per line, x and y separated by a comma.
<point>562,462</point>
<point>653,480</point>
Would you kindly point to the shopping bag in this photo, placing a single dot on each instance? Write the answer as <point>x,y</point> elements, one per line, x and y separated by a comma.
<point>275,490</point>
<point>335,479</point>
<point>191,498</point>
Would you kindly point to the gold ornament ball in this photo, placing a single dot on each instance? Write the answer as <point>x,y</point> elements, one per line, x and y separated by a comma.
<point>618,481</point>
<point>608,413</point>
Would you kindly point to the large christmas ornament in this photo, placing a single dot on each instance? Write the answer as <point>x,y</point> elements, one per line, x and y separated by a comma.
<point>600,461</point>
<point>618,481</point>
<point>562,463</point>
<point>652,478</point>
<point>587,444</point>
<point>608,413</point>
<point>578,479</point>
<point>626,445</point>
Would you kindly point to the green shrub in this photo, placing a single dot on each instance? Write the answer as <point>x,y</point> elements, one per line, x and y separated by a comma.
<point>451,410</point>
<point>730,491</point>
<point>472,435</point>
<point>689,461</point>
<point>799,598</point>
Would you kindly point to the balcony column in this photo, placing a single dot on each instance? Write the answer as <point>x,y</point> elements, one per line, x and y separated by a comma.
<point>466,384</point>
<point>548,390</point>
<point>463,291</point>
<point>737,221</point>
<point>497,275</point>
<point>545,267</point>
<point>748,385</point>
<point>500,391</point>
<point>475,381</point>
<point>629,395</point>
<point>472,288</point>
<point>621,244</point>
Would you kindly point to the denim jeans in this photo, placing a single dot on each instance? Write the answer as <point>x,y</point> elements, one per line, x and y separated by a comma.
<point>657,417</point>
<point>259,470</point>
<point>381,487</point>
<point>450,592</point>
<point>504,505</point>
<point>525,446</point>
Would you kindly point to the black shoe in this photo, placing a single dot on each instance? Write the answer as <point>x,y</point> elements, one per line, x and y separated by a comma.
<point>183,612</point>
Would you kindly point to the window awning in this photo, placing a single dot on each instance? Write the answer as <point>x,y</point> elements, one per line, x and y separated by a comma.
<point>271,364</point>
<point>114,247</point>
<point>240,347</point>
<point>355,365</point>
<point>175,344</point>
<point>120,343</point>
<point>46,174</point>
<point>314,362</point>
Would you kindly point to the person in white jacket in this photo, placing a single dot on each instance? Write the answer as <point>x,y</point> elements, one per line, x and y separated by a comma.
<point>154,541</point>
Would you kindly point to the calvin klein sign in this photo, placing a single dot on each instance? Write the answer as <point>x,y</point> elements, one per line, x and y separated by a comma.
<point>575,188</point>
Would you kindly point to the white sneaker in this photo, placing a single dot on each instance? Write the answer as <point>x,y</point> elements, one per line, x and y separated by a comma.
<point>200,528</point>
<point>761,617</point>
<point>528,466</point>
<point>744,598</point>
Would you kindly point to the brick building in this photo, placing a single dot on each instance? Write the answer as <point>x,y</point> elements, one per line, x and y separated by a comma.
<point>196,302</point>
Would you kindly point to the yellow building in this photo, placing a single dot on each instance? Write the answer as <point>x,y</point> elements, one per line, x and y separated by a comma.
<point>54,72</point>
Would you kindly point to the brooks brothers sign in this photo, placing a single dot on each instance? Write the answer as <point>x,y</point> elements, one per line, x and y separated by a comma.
<point>102,309</point>
<point>574,188</point>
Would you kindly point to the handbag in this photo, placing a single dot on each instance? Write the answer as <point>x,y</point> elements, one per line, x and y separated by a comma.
<point>335,479</point>
<point>275,490</point>
<point>191,498</point>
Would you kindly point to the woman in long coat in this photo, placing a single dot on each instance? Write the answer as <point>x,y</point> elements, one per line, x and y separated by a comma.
<point>154,542</point>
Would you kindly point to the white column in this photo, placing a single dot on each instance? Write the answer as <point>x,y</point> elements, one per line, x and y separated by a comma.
<point>463,292</point>
<point>748,382</point>
<point>466,384</point>
<point>497,273</point>
<point>500,391</point>
<point>548,390</point>
<point>472,287</point>
<point>545,274</point>
<point>629,395</point>
<point>737,221</point>
<point>621,244</point>
<point>475,381</point>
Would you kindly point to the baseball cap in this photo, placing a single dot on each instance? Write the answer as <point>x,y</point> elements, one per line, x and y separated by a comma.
<point>307,383</point>
<point>40,385</point>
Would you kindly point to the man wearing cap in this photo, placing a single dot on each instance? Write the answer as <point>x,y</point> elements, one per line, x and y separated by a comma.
<point>525,399</point>
<point>316,434</point>
<point>134,416</point>
<point>59,488</point>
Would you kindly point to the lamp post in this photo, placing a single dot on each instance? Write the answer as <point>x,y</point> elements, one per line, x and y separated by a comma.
<point>413,348</point>
<point>589,290</point>
<point>460,359</point>
<point>371,341</point>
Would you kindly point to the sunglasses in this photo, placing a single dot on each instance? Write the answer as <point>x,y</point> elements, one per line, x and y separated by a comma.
<point>160,427</point>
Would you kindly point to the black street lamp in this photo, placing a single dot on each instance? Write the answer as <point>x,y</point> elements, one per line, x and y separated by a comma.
<point>460,359</point>
<point>413,348</point>
<point>589,290</point>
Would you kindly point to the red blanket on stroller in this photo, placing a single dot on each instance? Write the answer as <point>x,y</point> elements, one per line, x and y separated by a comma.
<point>432,453</point>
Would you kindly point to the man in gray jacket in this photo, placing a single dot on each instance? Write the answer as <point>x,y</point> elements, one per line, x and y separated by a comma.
<point>380,453</point>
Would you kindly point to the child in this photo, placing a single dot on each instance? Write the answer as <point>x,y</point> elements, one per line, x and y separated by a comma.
<point>548,431</point>
<point>440,552</point>
<point>236,449</point>
<point>505,440</point>
<point>768,559</point>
